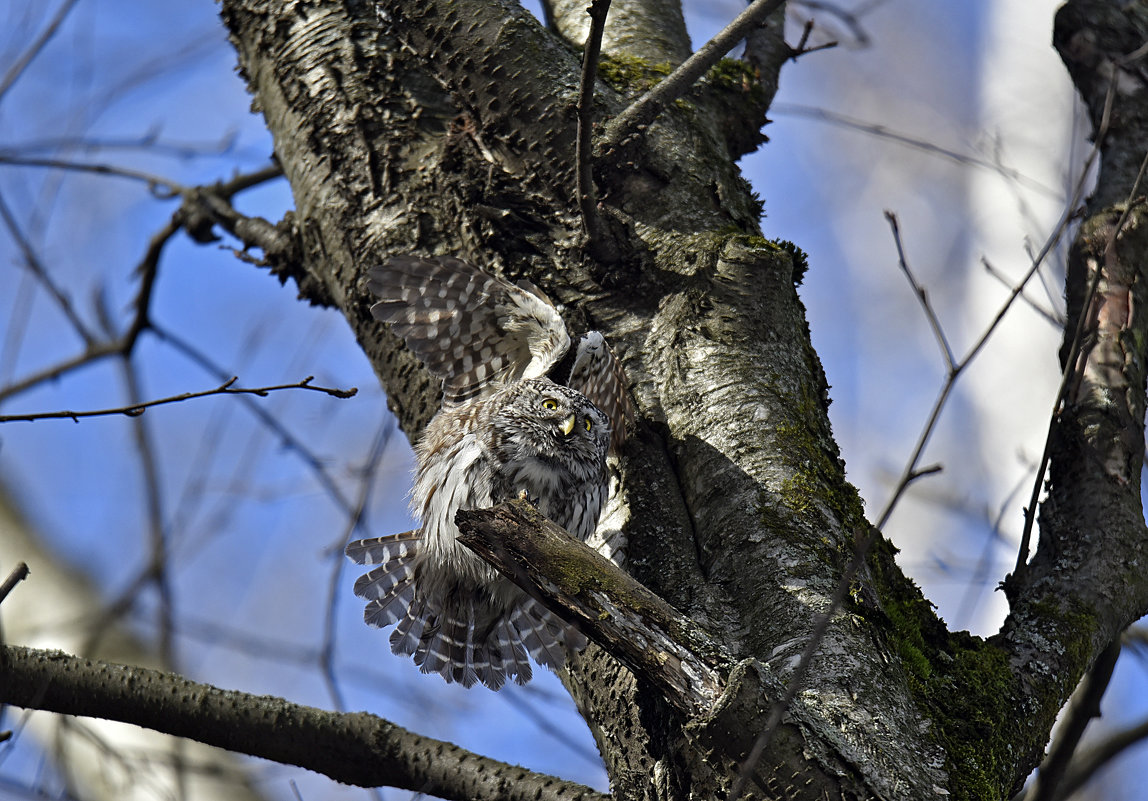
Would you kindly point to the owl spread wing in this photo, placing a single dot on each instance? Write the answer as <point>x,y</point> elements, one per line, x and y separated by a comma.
<point>470,328</point>
<point>476,331</point>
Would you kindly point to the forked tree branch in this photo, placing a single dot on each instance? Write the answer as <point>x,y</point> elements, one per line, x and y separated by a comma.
<point>353,748</point>
<point>608,605</point>
<point>648,106</point>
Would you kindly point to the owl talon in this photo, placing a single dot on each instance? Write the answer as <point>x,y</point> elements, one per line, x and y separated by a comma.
<point>523,495</point>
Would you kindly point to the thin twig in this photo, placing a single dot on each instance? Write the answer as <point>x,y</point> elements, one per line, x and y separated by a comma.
<point>354,523</point>
<point>36,267</point>
<point>25,58</point>
<point>248,180</point>
<point>155,182</point>
<point>137,409</point>
<point>18,574</point>
<point>287,440</point>
<point>158,550</point>
<point>149,141</point>
<point>851,18</point>
<point>950,380</point>
<point>1048,315</point>
<point>801,49</point>
<point>882,132</point>
<point>148,270</point>
<point>643,111</point>
<point>583,151</point>
<point>985,563</point>
<point>1099,755</point>
<point>922,296</point>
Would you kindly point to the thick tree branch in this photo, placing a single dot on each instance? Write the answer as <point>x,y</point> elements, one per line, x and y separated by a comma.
<point>1077,593</point>
<point>1085,706</point>
<point>633,624</point>
<point>357,748</point>
<point>651,30</point>
<point>649,105</point>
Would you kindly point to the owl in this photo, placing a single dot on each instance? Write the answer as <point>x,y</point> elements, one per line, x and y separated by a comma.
<point>504,429</point>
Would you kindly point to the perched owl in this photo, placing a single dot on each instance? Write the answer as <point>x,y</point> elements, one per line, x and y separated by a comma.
<point>504,429</point>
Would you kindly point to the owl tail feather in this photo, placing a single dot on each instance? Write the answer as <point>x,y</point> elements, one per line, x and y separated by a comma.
<point>464,639</point>
<point>388,588</point>
<point>545,636</point>
<point>463,636</point>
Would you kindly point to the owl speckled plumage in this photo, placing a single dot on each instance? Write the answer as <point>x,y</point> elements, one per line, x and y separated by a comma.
<point>504,428</point>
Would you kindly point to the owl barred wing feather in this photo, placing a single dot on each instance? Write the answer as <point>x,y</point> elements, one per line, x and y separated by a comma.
<point>599,376</point>
<point>476,331</point>
<point>470,328</point>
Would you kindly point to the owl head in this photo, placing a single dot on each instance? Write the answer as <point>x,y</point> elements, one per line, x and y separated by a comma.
<point>538,419</point>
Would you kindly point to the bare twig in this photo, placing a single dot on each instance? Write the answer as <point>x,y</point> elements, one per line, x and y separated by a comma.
<point>18,574</point>
<point>583,151</point>
<point>150,140</point>
<point>801,49</point>
<point>851,18</point>
<point>158,545</point>
<point>36,267</point>
<point>1086,764</point>
<point>985,562</point>
<point>882,132</point>
<point>1058,230</point>
<point>354,523</point>
<point>922,296</point>
<point>161,187</point>
<point>136,409</point>
<point>643,111</point>
<point>25,58</point>
<point>287,440</point>
<point>1050,316</point>
<point>148,270</point>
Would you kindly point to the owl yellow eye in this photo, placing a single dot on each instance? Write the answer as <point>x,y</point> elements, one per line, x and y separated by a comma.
<point>550,404</point>
<point>589,425</point>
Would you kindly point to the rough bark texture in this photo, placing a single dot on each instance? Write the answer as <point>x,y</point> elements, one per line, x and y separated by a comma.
<point>448,126</point>
<point>353,748</point>
<point>640,28</point>
<point>654,640</point>
<point>1085,584</point>
<point>725,484</point>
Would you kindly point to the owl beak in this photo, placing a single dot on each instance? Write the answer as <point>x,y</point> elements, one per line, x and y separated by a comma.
<point>567,425</point>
